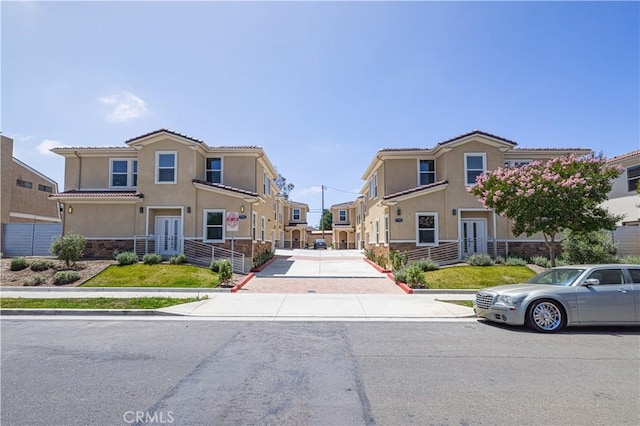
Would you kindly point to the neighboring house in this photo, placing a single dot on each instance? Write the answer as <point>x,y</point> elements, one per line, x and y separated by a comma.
<point>169,193</point>
<point>345,225</point>
<point>624,200</point>
<point>25,192</point>
<point>416,199</point>
<point>295,225</point>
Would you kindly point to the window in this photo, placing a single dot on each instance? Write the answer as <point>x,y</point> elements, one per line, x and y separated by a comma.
<point>358,213</point>
<point>426,227</point>
<point>608,276</point>
<point>633,177</point>
<point>377,232</point>
<point>45,188</point>
<point>263,226</point>
<point>266,184</point>
<point>254,224</point>
<point>296,214</point>
<point>166,166</point>
<point>124,173</point>
<point>213,170</point>
<point>635,275</point>
<point>386,229</point>
<point>427,172</point>
<point>342,215</point>
<point>214,225</point>
<point>24,183</point>
<point>474,166</point>
<point>373,186</point>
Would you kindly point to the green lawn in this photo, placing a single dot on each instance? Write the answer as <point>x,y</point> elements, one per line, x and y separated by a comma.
<point>162,275</point>
<point>473,277</point>
<point>94,303</point>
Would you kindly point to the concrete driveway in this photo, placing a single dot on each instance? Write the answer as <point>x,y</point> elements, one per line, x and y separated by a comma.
<point>320,271</point>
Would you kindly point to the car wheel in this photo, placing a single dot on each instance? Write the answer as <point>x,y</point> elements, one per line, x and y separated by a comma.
<point>546,316</point>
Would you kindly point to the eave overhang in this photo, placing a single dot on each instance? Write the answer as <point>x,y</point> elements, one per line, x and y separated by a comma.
<point>98,197</point>
<point>247,196</point>
<point>393,199</point>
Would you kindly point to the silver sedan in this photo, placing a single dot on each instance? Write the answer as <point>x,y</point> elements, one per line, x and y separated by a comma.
<point>565,296</point>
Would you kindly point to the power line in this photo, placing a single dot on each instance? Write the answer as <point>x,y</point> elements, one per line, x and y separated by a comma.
<point>340,190</point>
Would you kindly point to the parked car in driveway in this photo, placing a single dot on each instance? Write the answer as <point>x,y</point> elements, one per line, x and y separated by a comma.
<point>566,296</point>
<point>319,244</point>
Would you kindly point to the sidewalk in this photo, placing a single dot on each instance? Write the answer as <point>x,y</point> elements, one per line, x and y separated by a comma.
<point>272,306</point>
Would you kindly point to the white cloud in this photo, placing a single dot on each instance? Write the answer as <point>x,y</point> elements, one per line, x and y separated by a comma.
<point>46,145</point>
<point>310,190</point>
<point>124,106</point>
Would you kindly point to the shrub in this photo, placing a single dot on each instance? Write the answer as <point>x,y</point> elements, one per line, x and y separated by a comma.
<point>400,275</point>
<point>630,260</point>
<point>225,273</point>
<point>382,261</point>
<point>589,247</point>
<point>69,247</point>
<point>370,254</point>
<point>178,259</point>
<point>19,263</point>
<point>516,261</point>
<point>426,265</point>
<point>65,277</point>
<point>40,265</point>
<point>215,265</point>
<point>499,260</point>
<point>262,258</point>
<point>541,261</point>
<point>127,258</point>
<point>398,260</point>
<point>151,259</point>
<point>35,280</point>
<point>479,259</point>
<point>415,277</point>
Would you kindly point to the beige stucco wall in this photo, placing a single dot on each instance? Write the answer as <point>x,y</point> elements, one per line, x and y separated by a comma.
<point>32,201</point>
<point>104,220</point>
<point>240,172</point>
<point>7,182</point>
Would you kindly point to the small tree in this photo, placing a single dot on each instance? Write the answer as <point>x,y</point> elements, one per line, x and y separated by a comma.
<point>326,222</point>
<point>284,187</point>
<point>589,247</point>
<point>563,193</point>
<point>70,247</point>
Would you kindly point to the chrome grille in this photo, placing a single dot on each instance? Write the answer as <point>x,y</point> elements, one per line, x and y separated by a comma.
<point>484,300</point>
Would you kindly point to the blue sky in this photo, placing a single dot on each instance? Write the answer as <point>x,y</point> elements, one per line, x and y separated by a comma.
<point>321,86</point>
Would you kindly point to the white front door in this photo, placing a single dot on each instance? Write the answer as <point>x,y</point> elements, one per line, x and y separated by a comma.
<point>474,236</point>
<point>169,232</point>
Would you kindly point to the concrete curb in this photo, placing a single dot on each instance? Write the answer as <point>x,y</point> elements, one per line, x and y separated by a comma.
<point>264,265</point>
<point>244,281</point>
<point>85,312</point>
<point>378,267</point>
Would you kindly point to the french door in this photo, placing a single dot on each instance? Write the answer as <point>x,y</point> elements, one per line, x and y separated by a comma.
<point>169,232</point>
<point>474,236</point>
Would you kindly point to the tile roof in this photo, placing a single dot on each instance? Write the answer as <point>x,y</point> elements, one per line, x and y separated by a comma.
<point>345,204</point>
<point>95,194</point>
<point>171,132</point>
<point>114,148</point>
<point>624,156</point>
<point>225,187</point>
<point>477,132</point>
<point>416,189</point>
<point>549,149</point>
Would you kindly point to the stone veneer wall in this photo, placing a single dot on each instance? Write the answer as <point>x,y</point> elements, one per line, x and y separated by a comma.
<point>103,249</point>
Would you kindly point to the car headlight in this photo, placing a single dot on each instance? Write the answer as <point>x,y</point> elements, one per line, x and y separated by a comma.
<point>506,300</point>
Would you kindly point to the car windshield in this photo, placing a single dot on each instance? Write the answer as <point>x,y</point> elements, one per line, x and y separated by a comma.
<point>565,276</point>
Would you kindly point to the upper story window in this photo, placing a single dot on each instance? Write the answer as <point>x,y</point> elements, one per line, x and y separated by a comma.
<point>124,173</point>
<point>296,214</point>
<point>358,214</point>
<point>45,188</point>
<point>633,177</point>
<point>386,229</point>
<point>214,225</point>
<point>342,215</point>
<point>263,228</point>
<point>254,225</point>
<point>474,166</point>
<point>266,184</point>
<point>213,170</point>
<point>24,183</point>
<point>166,165</point>
<point>373,186</point>
<point>427,172</point>
<point>516,163</point>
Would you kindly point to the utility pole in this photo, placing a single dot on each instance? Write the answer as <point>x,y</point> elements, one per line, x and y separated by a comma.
<point>322,214</point>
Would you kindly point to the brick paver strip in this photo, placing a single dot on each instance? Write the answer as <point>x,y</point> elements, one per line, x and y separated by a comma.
<point>324,285</point>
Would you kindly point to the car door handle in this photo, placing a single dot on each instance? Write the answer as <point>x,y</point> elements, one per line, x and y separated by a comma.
<point>623,290</point>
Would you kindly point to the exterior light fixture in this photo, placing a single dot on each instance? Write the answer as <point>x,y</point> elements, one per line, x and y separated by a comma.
<point>454,212</point>
<point>399,212</point>
<point>188,209</point>
<point>242,208</point>
<point>70,209</point>
<point>141,209</point>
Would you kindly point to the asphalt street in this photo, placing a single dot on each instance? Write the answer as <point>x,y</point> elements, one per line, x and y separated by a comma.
<point>107,372</point>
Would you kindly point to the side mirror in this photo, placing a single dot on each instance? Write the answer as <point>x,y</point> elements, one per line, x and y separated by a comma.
<point>591,281</point>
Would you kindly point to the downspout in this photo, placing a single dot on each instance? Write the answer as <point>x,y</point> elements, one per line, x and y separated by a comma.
<point>79,169</point>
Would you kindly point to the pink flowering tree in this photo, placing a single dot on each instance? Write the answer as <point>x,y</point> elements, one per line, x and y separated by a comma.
<point>550,197</point>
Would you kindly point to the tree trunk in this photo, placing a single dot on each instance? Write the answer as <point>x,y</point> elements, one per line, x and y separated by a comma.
<point>550,242</point>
